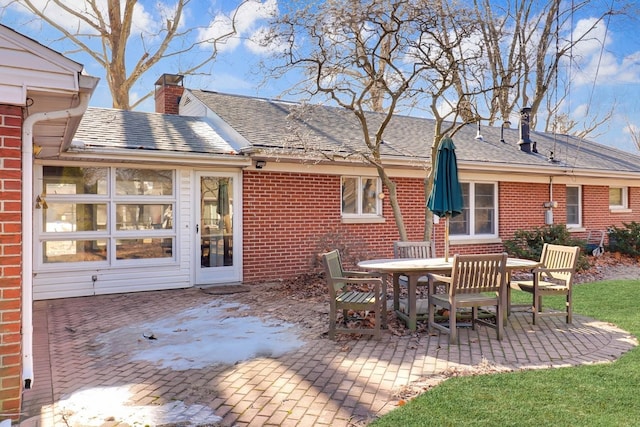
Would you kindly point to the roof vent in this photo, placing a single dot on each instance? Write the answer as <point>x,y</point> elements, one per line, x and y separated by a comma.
<point>525,141</point>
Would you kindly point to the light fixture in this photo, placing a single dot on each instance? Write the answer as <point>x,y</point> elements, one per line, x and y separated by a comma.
<point>478,135</point>
<point>37,149</point>
<point>41,203</point>
<point>260,164</point>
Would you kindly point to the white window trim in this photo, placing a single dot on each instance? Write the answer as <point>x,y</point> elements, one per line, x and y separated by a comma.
<point>466,238</point>
<point>579,224</point>
<point>362,217</point>
<point>625,199</point>
<point>111,235</point>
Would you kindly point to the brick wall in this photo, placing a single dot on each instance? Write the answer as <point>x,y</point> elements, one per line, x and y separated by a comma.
<point>10,259</point>
<point>285,230</point>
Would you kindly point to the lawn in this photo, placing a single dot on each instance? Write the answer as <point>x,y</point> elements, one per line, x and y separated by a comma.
<point>595,395</point>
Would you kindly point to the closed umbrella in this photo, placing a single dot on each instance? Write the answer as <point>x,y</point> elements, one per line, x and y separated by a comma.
<point>445,199</point>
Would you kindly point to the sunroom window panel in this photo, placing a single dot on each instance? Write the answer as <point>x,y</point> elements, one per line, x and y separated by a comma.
<point>139,216</point>
<point>73,180</point>
<point>146,182</point>
<point>144,248</point>
<point>74,251</point>
<point>61,217</point>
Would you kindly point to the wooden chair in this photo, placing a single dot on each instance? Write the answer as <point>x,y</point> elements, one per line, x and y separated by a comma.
<point>343,297</point>
<point>422,249</point>
<point>475,281</point>
<point>553,277</point>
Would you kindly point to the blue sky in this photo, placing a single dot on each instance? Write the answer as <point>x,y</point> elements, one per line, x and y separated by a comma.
<point>608,73</point>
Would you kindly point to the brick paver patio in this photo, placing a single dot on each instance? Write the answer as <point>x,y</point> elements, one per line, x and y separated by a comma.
<point>348,382</point>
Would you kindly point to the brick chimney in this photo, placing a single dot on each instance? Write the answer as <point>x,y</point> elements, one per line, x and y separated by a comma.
<point>525,120</point>
<point>169,90</point>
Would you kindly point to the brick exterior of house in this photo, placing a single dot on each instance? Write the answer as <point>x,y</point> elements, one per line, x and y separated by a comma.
<point>10,259</point>
<point>284,230</point>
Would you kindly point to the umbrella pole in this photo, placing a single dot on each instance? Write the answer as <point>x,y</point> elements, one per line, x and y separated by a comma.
<point>446,238</point>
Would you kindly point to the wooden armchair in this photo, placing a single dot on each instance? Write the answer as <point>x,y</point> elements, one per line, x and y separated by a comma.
<point>343,297</point>
<point>475,281</point>
<point>553,277</point>
<point>422,249</point>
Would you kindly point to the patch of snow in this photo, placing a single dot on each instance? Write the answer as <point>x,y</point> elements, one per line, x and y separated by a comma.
<point>203,336</point>
<point>100,405</point>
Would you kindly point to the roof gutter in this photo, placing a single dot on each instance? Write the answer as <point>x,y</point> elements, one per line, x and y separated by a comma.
<point>27,226</point>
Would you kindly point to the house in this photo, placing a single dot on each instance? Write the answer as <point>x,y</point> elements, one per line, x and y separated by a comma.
<point>217,189</point>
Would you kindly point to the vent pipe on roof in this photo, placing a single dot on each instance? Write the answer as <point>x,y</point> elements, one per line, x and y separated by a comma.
<point>525,141</point>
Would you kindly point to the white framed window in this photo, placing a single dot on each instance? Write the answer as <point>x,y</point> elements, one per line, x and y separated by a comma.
<point>479,215</point>
<point>360,196</point>
<point>618,197</point>
<point>574,206</point>
<point>105,216</point>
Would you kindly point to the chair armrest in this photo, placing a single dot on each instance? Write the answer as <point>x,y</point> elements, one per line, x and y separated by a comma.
<point>363,281</point>
<point>352,273</point>
<point>436,278</point>
<point>552,270</point>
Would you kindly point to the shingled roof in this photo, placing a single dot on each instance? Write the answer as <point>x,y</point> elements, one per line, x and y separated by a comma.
<point>272,124</point>
<point>111,128</point>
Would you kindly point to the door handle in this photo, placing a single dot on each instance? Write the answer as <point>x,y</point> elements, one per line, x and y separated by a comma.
<point>197,228</point>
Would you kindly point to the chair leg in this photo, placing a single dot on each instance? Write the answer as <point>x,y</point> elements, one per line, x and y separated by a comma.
<point>499,322</point>
<point>569,308</point>
<point>474,317</point>
<point>453,327</point>
<point>332,322</point>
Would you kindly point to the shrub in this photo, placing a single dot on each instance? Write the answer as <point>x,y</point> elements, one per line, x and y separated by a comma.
<point>528,243</point>
<point>625,239</point>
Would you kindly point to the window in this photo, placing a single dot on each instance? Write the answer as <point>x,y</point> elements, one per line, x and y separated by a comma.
<point>618,198</point>
<point>478,216</point>
<point>574,208</point>
<point>360,196</point>
<point>106,215</point>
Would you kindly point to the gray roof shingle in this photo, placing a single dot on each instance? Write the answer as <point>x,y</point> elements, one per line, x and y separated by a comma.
<point>111,128</point>
<point>272,124</point>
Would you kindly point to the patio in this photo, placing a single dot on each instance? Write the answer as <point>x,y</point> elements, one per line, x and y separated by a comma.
<point>261,357</point>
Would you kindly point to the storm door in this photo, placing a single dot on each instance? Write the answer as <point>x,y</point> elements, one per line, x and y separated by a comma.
<point>217,228</point>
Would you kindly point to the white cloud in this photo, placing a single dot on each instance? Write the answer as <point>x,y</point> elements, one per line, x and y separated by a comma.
<point>249,18</point>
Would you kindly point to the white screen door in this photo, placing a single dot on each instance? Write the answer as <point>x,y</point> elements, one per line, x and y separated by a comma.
<point>217,228</point>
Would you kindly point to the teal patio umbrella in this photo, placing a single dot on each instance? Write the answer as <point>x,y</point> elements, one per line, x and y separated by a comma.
<point>445,199</point>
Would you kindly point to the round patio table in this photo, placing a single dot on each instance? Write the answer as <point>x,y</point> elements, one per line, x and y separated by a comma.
<point>414,268</point>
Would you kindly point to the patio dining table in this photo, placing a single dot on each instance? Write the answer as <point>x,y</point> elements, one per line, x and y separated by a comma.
<point>416,267</point>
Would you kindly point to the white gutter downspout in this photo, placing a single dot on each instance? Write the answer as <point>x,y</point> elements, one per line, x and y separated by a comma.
<point>27,227</point>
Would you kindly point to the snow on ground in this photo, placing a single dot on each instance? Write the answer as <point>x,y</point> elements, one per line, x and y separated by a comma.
<point>195,338</point>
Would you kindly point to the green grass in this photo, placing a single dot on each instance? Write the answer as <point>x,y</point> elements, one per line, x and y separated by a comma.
<point>595,395</point>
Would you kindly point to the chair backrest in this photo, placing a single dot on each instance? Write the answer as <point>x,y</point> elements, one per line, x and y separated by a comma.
<point>424,249</point>
<point>558,256</point>
<point>333,271</point>
<point>478,273</point>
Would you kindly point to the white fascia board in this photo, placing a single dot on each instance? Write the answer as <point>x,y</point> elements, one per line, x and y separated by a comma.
<point>151,156</point>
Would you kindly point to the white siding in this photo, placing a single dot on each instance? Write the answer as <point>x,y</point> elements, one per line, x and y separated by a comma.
<point>73,282</point>
<point>28,65</point>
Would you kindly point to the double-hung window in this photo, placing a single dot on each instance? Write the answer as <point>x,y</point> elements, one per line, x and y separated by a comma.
<point>618,198</point>
<point>574,206</point>
<point>479,214</point>
<point>360,196</point>
<point>105,215</point>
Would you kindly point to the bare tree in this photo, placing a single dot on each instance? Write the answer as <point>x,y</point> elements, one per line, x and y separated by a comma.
<point>105,31</point>
<point>527,44</point>
<point>384,57</point>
